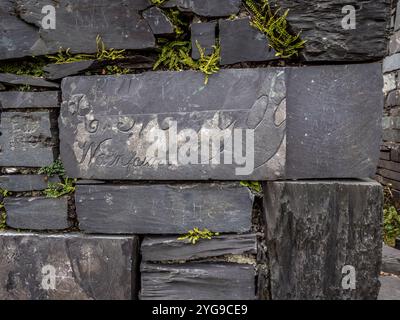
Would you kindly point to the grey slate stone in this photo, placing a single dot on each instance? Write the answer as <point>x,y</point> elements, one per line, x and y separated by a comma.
<point>25,183</point>
<point>315,228</point>
<point>158,248</point>
<point>163,209</point>
<point>394,43</point>
<point>393,99</point>
<point>207,8</point>
<point>334,121</point>
<point>391,63</point>
<point>391,260</point>
<point>86,267</point>
<point>390,288</point>
<point>14,79</point>
<point>25,139</point>
<point>158,22</point>
<point>59,71</point>
<point>37,213</point>
<point>29,100</point>
<point>320,25</point>
<point>203,34</point>
<point>240,42</point>
<point>397,21</point>
<point>197,281</point>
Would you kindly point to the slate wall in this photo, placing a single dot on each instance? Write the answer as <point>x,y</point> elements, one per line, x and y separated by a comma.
<point>116,236</point>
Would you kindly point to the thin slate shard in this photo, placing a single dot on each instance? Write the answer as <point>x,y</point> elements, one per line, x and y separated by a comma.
<point>29,100</point>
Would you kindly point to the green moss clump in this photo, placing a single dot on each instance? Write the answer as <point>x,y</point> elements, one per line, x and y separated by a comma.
<point>158,2</point>
<point>34,67</point>
<point>3,214</point>
<point>55,169</point>
<point>195,235</point>
<point>254,186</point>
<point>59,189</point>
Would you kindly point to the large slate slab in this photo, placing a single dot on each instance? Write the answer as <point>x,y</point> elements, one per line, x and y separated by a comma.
<point>314,229</point>
<point>107,123</point>
<point>163,209</point>
<point>156,248</point>
<point>207,8</point>
<point>14,79</point>
<point>390,288</point>
<point>334,121</point>
<point>320,23</point>
<point>26,182</point>
<point>197,281</point>
<point>29,100</point>
<point>85,267</point>
<point>37,213</point>
<point>25,139</point>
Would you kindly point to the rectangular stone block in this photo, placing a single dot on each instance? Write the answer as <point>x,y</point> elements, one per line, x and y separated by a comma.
<point>207,8</point>
<point>163,209</point>
<point>25,182</point>
<point>170,126</point>
<point>37,213</point>
<point>14,79</point>
<point>26,139</point>
<point>67,267</point>
<point>317,232</point>
<point>158,248</point>
<point>29,100</point>
<point>197,281</point>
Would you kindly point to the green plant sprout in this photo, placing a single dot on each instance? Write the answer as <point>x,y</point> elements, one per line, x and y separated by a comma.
<point>195,235</point>
<point>158,2</point>
<point>55,169</point>
<point>275,26</point>
<point>254,186</point>
<point>59,189</point>
<point>208,64</point>
<point>24,68</point>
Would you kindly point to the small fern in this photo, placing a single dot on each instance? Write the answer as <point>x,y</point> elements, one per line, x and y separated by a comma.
<point>195,235</point>
<point>254,186</point>
<point>59,189</point>
<point>55,169</point>
<point>208,64</point>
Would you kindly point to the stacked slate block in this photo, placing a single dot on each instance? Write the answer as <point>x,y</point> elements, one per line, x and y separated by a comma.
<point>317,132</point>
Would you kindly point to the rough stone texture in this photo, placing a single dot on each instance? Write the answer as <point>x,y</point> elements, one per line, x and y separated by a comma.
<point>31,100</point>
<point>391,63</point>
<point>393,99</point>
<point>25,183</point>
<point>37,213</point>
<point>390,288</point>
<point>107,122</point>
<point>314,229</point>
<point>25,139</point>
<point>163,209</point>
<point>203,34</point>
<point>391,260</point>
<point>77,25</point>
<point>158,248</point>
<point>320,23</point>
<point>14,79</point>
<point>394,43</point>
<point>197,281</point>
<point>391,126</point>
<point>58,71</point>
<point>207,8</point>
<point>334,121</point>
<point>240,42</point>
<point>95,267</point>
<point>389,82</point>
<point>158,22</point>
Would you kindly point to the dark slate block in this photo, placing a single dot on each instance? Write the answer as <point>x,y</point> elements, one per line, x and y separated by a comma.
<point>25,139</point>
<point>320,25</point>
<point>14,79</point>
<point>85,268</point>
<point>314,229</point>
<point>240,42</point>
<point>197,281</point>
<point>37,213</point>
<point>171,249</point>
<point>31,100</point>
<point>163,209</point>
<point>203,34</point>
<point>119,132</point>
<point>207,8</point>
<point>334,121</point>
<point>25,183</point>
<point>391,63</point>
<point>391,260</point>
<point>390,288</point>
<point>158,22</point>
<point>59,71</point>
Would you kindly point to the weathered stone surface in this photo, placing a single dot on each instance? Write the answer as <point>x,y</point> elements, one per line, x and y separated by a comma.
<point>314,229</point>
<point>25,139</point>
<point>393,99</point>
<point>320,23</point>
<point>31,100</point>
<point>197,281</point>
<point>158,22</point>
<point>389,82</point>
<point>171,249</point>
<point>14,79</point>
<point>77,25</point>
<point>391,260</point>
<point>203,34</point>
<point>37,213</point>
<point>390,288</point>
<point>334,121</point>
<point>25,183</point>
<point>107,125</point>
<point>59,71</point>
<point>394,43</point>
<point>240,42</point>
<point>391,63</point>
<point>163,209</point>
<point>207,8</point>
<point>95,267</point>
